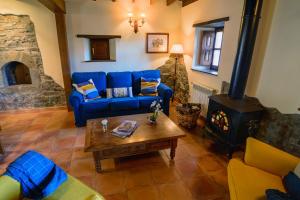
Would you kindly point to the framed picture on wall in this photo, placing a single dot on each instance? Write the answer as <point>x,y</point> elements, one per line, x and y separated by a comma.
<point>157,43</point>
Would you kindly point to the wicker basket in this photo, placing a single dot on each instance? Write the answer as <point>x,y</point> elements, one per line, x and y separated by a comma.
<point>187,114</point>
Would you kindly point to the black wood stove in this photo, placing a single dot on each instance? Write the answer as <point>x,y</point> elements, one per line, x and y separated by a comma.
<point>231,118</point>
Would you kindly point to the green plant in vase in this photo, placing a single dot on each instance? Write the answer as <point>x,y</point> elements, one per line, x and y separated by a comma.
<point>155,107</point>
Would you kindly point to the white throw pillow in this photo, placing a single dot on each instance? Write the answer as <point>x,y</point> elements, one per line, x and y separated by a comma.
<point>297,170</point>
<point>119,92</point>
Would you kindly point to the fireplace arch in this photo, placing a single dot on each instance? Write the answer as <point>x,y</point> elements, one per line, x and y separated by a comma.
<point>16,73</point>
<point>22,64</point>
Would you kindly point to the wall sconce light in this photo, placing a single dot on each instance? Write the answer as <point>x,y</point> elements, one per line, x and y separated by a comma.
<point>136,22</point>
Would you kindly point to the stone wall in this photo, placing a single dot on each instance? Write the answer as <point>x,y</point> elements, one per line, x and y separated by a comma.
<point>281,130</point>
<point>18,43</point>
<point>182,83</point>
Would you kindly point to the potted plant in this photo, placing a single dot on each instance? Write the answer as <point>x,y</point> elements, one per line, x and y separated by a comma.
<point>155,107</point>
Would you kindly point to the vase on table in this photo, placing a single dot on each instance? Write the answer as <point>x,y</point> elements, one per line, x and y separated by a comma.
<point>155,107</point>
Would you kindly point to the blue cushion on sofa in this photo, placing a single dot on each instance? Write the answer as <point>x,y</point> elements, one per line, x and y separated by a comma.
<point>119,79</point>
<point>96,106</point>
<point>291,183</point>
<point>145,101</point>
<point>99,79</point>
<point>124,103</point>
<point>136,79</point>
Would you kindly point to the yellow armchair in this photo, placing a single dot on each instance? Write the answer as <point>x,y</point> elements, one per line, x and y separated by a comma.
<point>263,168</point>
<point>72,189</point>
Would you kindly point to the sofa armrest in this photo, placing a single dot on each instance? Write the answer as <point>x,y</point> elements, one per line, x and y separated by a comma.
<point>164,91</point>
<point>74,189</point>
<point>268,158</point>
<point>75,99</point>
<point>10,188</point>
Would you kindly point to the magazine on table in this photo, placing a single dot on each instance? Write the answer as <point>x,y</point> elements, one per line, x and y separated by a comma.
<point>125,129</point>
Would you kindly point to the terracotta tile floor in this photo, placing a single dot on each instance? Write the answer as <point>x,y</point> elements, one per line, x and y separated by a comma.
<point>199,172</point>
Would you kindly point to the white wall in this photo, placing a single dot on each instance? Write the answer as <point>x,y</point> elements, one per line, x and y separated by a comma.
<point>280,76</point>
<point>261,43</point>
<point>205,10</point>
<point>45,29</point>
<point>110,18</point>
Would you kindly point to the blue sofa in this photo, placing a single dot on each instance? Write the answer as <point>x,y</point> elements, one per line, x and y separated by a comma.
<point>108,107</point>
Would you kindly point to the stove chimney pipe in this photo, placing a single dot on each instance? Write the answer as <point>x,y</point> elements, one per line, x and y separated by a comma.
<point>248,31</point>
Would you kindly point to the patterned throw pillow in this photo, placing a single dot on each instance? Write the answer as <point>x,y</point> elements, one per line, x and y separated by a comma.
<point>119,92</point>
<point>149,86</point>
<point>88,90</point>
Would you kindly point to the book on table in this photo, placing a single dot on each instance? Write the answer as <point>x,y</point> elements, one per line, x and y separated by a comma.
<point>125,129</point>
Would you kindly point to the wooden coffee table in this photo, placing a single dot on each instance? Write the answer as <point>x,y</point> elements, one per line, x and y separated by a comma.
<point>146,138</point>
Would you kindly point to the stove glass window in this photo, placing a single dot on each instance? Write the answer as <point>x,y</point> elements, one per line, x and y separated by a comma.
<point>220,120</point>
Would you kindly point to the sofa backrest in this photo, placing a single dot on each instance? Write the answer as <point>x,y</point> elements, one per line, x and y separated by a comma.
<point>119,79</point>
<point>99,79</point>
<point>136,79</point>
<point>115,79</point>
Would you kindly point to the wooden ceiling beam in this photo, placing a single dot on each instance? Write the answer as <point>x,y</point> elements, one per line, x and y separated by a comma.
<point>169,2</point>
<point>56,6</point>
<point>187,2</point>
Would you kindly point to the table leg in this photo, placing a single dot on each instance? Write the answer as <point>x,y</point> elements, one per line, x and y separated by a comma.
<point>173,148</point>
<point>1,150</point>
<point>97,160</point>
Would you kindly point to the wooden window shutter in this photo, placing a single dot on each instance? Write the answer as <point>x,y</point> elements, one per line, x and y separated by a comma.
<point>207,46</point>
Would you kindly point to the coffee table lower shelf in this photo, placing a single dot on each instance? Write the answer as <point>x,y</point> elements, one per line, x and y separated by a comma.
<point>134,149</point>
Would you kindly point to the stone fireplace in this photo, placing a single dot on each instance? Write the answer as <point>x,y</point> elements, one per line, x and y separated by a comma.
<point>23,83</point>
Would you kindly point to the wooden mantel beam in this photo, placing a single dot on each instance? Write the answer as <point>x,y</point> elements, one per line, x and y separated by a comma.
<point>56,6</point>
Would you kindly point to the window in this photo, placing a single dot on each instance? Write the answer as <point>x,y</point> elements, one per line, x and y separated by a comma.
<point>210,48</point>
<point>208,45</point>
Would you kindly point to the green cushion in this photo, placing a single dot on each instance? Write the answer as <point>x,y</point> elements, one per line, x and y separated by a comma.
<point>71,189</point>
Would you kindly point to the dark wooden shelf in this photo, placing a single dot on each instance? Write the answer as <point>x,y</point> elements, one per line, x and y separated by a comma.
<point>99,61</point>
<point>98,36</point>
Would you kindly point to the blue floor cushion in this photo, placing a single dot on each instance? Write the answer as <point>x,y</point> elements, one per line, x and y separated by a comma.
<point>38,176</point>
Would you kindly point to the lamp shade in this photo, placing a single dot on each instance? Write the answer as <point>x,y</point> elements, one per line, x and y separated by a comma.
<point>177,49</point>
